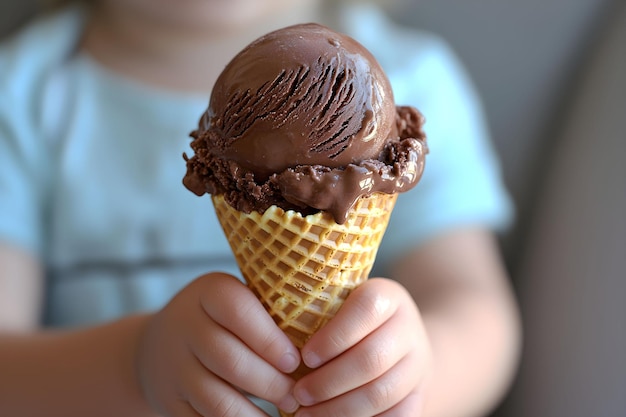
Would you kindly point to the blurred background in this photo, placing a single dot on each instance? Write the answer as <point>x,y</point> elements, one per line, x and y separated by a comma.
<point>526,59</point>
<point>552,77</point>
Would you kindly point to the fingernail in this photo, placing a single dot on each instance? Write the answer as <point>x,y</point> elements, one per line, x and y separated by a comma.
<point>312,360</point>
<point>288,404</point>
<point>288,363</point>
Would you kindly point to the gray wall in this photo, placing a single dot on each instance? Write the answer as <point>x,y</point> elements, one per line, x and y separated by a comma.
<point>14,12</point>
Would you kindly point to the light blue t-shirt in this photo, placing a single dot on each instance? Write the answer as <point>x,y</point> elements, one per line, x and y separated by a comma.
<point>91,167</point>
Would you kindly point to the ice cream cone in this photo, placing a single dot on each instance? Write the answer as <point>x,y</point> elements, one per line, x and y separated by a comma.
<point>303,268</point>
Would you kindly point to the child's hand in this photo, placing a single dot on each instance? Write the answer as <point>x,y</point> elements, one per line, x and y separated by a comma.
<point>212,342</point>
<point>372,358</point>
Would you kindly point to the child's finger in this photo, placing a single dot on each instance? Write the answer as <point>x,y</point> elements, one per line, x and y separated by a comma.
<point>365,362</point>
<point>249,321</point>
<point>412,405</point>
<point>224,355</point>
<point>208,395</point>
<point>375,397</point>
<point>367,308</point>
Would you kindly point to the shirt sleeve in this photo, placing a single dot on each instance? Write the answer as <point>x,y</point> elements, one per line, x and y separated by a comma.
<point>462,182</point>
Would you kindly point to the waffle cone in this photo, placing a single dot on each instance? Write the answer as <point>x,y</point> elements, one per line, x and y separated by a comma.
<point>303,268</point>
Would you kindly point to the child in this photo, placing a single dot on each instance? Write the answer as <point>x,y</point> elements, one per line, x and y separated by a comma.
<point>96,103</point>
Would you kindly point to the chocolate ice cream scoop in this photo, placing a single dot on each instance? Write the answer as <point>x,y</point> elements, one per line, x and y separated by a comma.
<point>304,118</point>
<point>304,95</point>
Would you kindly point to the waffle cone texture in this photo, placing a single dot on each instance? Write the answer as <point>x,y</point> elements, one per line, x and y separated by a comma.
<point>302,268</point>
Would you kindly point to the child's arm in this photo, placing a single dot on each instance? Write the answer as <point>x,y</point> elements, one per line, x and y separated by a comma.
<point>214,333</point>
<point>87,372</point>
<point>471,319</point>
<point>450,353</point>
